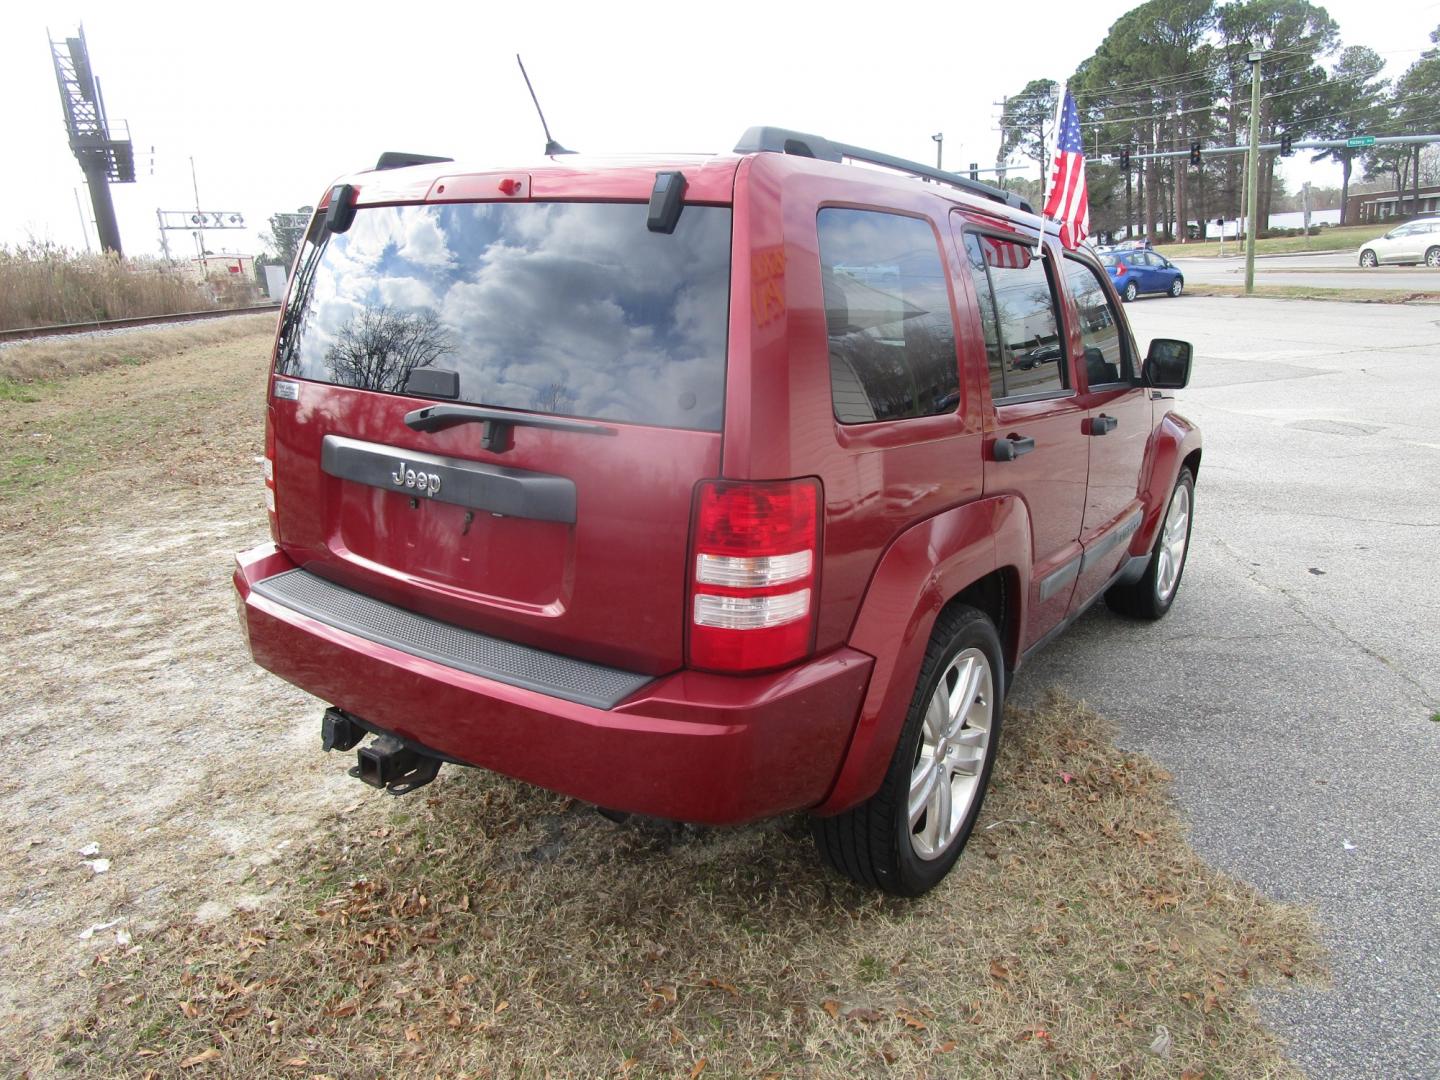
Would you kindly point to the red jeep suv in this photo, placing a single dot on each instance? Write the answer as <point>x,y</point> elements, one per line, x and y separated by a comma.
<point>704,488</point>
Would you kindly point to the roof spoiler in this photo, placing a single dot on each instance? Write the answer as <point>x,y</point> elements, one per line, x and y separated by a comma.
<point>797,143</point>
<point>397,159</point>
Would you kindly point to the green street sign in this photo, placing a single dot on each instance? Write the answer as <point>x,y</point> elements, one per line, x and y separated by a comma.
<point>1361,140</point>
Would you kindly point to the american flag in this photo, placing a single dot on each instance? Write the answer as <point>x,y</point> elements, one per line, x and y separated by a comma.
<point>1005,254</point>
<point>1069,203</point>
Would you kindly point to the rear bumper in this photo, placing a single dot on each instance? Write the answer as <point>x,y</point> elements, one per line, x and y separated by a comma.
<point>689,746</point>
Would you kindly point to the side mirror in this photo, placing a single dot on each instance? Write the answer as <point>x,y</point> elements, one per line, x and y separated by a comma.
<point>1167,364</point>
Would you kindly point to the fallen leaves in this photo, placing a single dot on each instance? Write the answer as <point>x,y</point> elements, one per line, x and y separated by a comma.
<point>200,1059</point>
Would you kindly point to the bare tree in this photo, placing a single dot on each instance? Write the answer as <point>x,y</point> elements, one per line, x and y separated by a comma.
<point>380,347</point>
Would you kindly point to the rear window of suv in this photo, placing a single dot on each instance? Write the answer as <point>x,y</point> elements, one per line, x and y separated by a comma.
<point>568,308</point>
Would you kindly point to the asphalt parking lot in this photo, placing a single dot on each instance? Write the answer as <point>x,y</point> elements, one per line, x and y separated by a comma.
<point>1293,689</point>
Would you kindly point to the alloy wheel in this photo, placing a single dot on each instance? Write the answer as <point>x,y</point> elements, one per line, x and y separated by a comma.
<point>954,742</point>
<point>1175,536</point>
<point>1432,257</point>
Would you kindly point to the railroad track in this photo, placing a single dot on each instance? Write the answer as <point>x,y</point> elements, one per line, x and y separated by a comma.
<point>25,332</point>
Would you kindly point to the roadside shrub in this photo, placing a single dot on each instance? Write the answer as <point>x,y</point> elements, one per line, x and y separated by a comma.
<point>43,283</point>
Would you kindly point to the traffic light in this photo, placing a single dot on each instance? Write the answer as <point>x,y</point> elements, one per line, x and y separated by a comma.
<point>1285,145</point>
<point>1195,154</point>
<point>974,170</point>
<point>1125,158</point>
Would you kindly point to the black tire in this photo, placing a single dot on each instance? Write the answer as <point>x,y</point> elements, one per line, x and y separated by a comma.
<point>1130,292</point>
<point>1146,598</point>
<point>1177,286</point>
<point>872,843</point>
<point>1368,260</point>
<point>1432,257</point>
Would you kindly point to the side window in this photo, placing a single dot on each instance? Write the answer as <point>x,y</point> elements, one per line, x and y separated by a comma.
<point>1030,352</point>
<point>975,257</point>
<point>887,314</point>
<point>1107,360</point>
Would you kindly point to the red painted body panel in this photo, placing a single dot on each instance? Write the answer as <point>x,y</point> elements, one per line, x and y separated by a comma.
<point>1174,440</point>
<point>694,747</point>
<point>917,576</point>
<point>609,588</point>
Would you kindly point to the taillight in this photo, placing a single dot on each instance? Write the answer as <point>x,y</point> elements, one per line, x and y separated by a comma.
<point>756,547</point>
<point>268,467</point>
<point>1119,269</point>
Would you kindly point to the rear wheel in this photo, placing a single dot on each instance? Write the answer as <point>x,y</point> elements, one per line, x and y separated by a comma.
<point>1131,291</point>
<point>1367,259</point>
<point>905,838</point>
<point>1432,257</point>
<point>1152,595</point>
<point>1177,286</point>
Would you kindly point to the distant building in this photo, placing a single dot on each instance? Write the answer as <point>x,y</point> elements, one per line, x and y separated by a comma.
<point>220,265</point>
<point>1374,206</point>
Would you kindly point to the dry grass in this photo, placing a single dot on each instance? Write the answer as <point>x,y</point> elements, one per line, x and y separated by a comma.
<point>1309,292</point>
<point>50,358</point>
<point>490,929</point>
<point>42,284</point>
<point>1329,238</point>
<point>182,407</point>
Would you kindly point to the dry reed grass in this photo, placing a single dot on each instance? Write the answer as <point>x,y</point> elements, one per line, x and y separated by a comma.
<point>42,284</point>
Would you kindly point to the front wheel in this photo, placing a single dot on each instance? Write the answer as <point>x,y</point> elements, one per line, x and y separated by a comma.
<point>1152,595</point>
<point>1368,260</point>
<point>1177,286</point>
<point>905,838</point>
<point>1432,257</point>
<point>1131,291</point>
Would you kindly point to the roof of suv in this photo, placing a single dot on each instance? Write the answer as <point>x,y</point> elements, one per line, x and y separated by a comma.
<point>710,178</point>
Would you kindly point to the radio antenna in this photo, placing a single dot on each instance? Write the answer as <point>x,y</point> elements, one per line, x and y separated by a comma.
<point>552,148</point>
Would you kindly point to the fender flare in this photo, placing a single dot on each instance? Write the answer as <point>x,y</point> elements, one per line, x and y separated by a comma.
<point>1175,439</point>
<point>920,572</point>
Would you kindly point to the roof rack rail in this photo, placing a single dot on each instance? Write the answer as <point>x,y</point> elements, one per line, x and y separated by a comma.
<point>785,141</point>
<point>398,159</point>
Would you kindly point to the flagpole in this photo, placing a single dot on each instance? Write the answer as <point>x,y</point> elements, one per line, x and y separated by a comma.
<point>1045,173</point>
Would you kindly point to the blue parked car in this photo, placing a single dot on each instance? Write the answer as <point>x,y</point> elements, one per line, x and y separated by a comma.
<point>1136,272</point>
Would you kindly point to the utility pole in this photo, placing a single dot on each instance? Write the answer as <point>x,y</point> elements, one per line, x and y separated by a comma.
<point>1129,208</point>
<point>200,233</point>
<point>939,149</point>
<point>1251,169</point>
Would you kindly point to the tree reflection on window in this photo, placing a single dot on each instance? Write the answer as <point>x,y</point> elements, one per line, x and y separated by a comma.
<point>380,347</point>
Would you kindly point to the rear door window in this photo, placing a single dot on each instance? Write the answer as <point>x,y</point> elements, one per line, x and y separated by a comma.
<point>887,316</point>
<point>568,308</point>
<point>1029,350</point>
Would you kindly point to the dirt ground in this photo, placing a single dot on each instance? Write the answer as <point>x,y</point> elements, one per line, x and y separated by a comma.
<point>134,718</point>
<point>189,887</point>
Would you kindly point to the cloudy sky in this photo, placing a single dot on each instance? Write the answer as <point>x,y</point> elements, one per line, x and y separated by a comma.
<point>273,100</point>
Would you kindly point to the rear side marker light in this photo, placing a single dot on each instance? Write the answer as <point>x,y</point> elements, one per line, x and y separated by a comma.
<point>268,469</point>
<point>756,547</point>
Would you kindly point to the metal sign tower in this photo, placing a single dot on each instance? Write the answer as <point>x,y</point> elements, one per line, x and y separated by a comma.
<point>105,154</point>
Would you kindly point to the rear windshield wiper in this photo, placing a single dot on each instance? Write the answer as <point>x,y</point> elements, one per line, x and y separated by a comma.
<point>498,423</point>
